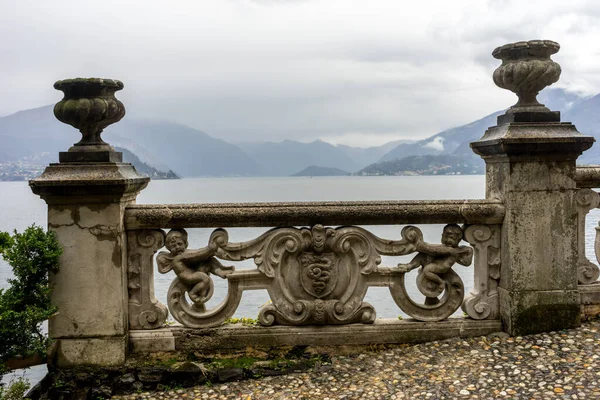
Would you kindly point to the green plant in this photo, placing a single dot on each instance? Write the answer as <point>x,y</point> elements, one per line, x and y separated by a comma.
<point>16,389</point>
<point>25,304</point>
<point>243,321</point>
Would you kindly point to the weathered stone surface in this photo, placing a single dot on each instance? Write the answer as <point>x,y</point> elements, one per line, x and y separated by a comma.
<point>590,294</point>
<point>587,271</point>
<point>308,214</point>
<point>382,331</point>
<point>157,340</point>
<point>482,302</point>
<point>89,104</point>
<point>540,241</point>
<point>533,142</point>
<point>145,311</point>
<point>527,69</point>
<point>314,276</point>
<point>588,176</point>
<point>86,202</point>
<point>91,268</point>
<point>88,183</point>
<point>230,374</point>
<point>530,165</point>
<point>527,312</point>
<point>106,352</point>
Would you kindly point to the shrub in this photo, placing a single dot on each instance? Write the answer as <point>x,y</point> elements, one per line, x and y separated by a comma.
<point>25,304</point>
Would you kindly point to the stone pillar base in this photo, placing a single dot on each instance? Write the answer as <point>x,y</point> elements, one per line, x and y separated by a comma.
<point>525,313</point>
<point>102,352</point>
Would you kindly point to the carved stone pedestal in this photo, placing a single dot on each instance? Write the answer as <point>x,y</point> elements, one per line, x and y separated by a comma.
<point>86,195</point>
<point>85,210</point>
<point>530,165</point>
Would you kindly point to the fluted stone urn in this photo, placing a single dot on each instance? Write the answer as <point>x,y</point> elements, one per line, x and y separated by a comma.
<point>90,105</point>
<point>527,69</point>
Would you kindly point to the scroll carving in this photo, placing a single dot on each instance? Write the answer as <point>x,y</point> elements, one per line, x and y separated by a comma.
<point>482,301</point>
<point>314,276</point>
<point>145,312</point>
<point>587,271</point>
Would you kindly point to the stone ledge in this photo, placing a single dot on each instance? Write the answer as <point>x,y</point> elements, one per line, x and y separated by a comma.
<point>102,352</point>
<point>151,341</point>
<point>383,331</point>
<point>590,294</point>
<point>155,216</point>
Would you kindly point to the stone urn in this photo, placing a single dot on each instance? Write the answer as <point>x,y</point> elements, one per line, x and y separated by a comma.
<point>527,69</point>
<point>89,105</point>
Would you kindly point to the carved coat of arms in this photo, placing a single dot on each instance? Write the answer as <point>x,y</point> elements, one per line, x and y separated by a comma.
<point>319,273</point>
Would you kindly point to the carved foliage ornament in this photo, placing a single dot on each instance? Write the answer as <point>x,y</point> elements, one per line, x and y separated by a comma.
<point>145,312</point>
<point>587,271</point>
<point>482,302</point>
<point>313,276</point>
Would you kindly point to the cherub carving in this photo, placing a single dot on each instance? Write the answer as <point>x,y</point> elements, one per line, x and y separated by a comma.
<point>437,259</point>
<point>192,267</point>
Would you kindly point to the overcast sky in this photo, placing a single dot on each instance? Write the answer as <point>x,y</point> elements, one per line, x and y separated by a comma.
<point>356,72</point>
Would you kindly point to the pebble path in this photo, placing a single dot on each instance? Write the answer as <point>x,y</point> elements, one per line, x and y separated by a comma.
<point>554,365</point>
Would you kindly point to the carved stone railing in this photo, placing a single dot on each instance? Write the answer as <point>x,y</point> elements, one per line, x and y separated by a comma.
<point>314,276</point>
<point>587,177</point>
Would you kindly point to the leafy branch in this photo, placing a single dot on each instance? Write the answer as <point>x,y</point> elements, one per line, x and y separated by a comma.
<point>25,304</point>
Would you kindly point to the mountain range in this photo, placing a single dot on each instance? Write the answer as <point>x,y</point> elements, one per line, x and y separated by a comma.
<point>168,149</point>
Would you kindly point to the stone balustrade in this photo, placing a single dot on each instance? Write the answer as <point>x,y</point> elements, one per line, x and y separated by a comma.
<point>525,241</point>
<point>314,276</point>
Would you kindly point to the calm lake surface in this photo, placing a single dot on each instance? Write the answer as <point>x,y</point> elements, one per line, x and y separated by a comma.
<point>19,208</point>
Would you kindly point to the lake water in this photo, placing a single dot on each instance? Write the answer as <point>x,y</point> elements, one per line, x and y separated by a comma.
<point>19,208</point>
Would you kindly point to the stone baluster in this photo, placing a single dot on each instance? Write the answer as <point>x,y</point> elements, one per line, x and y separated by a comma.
<point>145,311</point>
<point>530,161</point>
<point>86,193</point>
<point>482,302</point>
<point>587,271</point>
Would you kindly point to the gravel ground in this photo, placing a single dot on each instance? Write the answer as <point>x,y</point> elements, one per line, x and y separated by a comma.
<point>561,365</point>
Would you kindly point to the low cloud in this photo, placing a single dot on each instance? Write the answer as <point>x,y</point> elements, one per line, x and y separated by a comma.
<point>245,70</point>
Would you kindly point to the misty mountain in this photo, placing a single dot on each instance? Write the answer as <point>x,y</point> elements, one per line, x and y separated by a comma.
<point>435,150</point>
<point>166,146</point>
<point>186,151</point>
<point>586,117</point>
<point>144,168</point>
<point>163,145</point>
<point>369,155</point>
<point>456,140</point>
<point>30,132</point>
<point>315,170</point>
<point>429,164</point>
<point>288,157</point>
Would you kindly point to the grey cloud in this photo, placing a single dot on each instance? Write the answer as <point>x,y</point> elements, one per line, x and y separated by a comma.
<point>289,69</point>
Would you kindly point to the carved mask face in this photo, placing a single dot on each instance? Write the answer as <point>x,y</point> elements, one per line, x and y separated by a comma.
<point>451,237</point>
<point>176,244</point>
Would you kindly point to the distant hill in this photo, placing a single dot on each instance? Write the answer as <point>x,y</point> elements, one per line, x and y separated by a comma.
<point>369,155</point>
<point>445,142</point>
<point>444,146</point>
<point>35,136</point>
<point>186,151</point>
<point>288,157</point>
<point>314,170</point>
<point>144,168</point>
<point>586,117</point>
<point>162,145</point>
<point>429,164</point>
